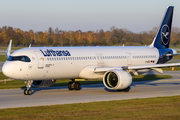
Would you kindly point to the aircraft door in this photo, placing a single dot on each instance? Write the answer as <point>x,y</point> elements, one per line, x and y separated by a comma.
<point>128,56</point>
<point>40,60</point>
<point>99,58</point>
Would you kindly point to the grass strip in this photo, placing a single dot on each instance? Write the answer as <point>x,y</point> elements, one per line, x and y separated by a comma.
<point>3,58</point>
<point>161,108</point>
<point>2,76</point>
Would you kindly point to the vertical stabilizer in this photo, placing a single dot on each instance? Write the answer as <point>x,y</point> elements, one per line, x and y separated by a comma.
<point>162,38</point>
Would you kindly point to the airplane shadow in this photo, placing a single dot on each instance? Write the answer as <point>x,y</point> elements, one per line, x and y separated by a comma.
<point>34,90</point>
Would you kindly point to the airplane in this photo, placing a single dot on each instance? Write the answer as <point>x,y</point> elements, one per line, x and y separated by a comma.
<point>42,66</point>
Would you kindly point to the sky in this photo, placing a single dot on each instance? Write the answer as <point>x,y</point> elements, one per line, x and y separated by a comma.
<point>86,15</point>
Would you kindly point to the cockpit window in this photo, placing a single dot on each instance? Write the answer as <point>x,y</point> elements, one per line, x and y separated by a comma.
<point>19,58</point>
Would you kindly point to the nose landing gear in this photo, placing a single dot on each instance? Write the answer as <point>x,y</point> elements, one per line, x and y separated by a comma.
<point>28,91</point>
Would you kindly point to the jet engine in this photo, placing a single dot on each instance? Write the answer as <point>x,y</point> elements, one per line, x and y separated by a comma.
<point>43,83</point>
<point>117,79</point>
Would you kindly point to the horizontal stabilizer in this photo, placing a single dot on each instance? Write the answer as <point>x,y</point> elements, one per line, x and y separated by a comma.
<point>173,54</point>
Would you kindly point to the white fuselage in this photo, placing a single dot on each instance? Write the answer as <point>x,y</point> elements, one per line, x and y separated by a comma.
<point>68,62</point>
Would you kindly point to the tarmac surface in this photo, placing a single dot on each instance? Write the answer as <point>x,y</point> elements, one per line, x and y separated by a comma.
<point>13,98</point>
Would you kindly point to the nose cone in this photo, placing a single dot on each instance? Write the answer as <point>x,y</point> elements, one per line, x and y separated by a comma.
<point>6,69</point>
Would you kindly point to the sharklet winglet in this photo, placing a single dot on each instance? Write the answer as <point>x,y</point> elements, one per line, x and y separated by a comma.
<point>8,52</point>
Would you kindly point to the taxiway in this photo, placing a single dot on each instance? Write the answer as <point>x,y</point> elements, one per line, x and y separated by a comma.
<point>13,98</point>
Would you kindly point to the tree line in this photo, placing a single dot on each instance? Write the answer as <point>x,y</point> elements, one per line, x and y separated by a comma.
<point>56,37</point>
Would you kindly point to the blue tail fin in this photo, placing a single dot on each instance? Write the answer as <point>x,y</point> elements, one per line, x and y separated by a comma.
<point>162,38</point>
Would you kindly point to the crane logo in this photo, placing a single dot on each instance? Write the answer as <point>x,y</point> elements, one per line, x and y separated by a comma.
<point>165,32</point>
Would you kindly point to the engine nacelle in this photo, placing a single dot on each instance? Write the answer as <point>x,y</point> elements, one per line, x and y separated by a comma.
<point>117,79</point>
<point>43,83</point>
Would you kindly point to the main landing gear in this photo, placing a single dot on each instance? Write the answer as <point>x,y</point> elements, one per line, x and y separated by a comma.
<point>28,91</point>
<point>74,85</point>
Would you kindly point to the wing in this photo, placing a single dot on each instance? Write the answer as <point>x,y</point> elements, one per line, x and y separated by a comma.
<point>139,67</point>
<point>133,69</point>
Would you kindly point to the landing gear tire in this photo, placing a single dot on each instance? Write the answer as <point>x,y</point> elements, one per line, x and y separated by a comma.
<point>77,86</point>
<point>74,85</point>
<point>29,92</point>
<point>70,86</point>
<point>127,89</point>
<point>25,92</point>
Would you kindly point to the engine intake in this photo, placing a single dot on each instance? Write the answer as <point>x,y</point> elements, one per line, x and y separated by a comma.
<point>117,79</point>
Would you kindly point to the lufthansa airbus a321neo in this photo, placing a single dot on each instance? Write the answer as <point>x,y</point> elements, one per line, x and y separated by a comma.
<point>42,66</point>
